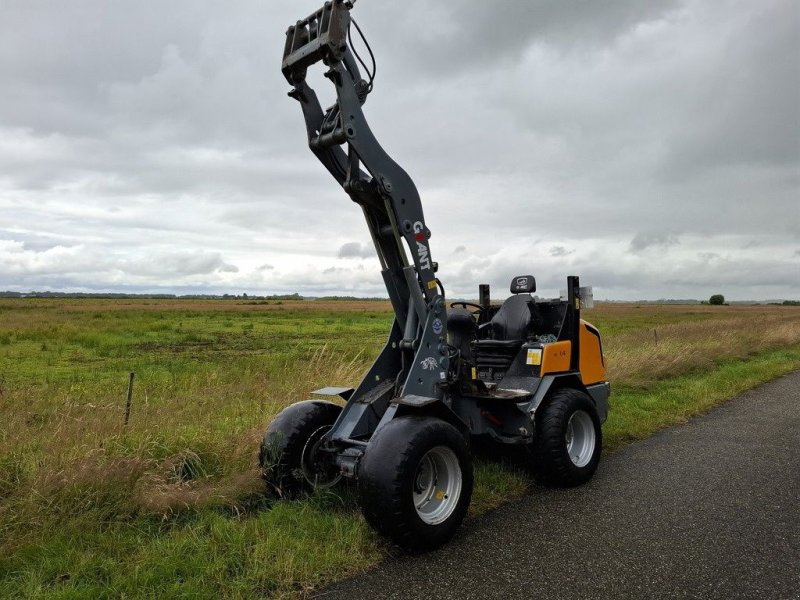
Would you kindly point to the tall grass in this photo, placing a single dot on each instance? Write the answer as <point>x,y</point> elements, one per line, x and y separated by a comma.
<point>642,356</point>
<point>176,494</point>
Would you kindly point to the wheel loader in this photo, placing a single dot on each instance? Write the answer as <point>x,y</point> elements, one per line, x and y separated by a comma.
<point>527,374</point>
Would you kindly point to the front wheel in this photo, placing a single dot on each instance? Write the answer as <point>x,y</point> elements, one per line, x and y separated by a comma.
<point>568,439</point>
<point>290,455</point>
<point>415,482</point>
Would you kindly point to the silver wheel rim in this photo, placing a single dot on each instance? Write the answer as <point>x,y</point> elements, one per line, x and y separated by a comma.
<point>309,462</point>
<point>580,438</point>
<point>437,485</point>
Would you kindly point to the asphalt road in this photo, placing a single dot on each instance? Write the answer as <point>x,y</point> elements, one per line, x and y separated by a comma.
<point>709,509</point>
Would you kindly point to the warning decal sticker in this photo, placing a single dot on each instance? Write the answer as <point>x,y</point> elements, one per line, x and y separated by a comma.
<point>534,356</point>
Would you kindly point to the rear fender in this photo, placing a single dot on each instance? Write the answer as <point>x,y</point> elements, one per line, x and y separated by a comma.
<point>598,393</point>
<point>553,382</point>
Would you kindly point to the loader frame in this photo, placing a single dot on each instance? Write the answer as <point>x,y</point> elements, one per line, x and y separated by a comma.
<point>416,371</point>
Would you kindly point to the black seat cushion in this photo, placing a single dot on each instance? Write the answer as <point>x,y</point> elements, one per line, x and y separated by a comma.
<point>513,320</point>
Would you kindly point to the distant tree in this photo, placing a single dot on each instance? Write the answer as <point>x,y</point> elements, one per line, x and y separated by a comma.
<point>717,300</point>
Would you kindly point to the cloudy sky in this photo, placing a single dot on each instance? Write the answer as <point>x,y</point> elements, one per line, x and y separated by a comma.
<point>653,148</point>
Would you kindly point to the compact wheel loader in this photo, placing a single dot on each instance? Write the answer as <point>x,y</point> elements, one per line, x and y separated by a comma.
<point>528,374</point>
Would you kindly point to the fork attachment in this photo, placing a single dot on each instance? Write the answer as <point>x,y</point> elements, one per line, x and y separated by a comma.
<point>320,36</point>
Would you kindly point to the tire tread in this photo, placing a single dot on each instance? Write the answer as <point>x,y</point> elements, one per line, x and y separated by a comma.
<point>383,483</point>
<point>285,439</point>
<point>552,465</point>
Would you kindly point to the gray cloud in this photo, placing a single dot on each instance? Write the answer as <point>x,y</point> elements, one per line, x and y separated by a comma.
<point>560,251</point>
<point>179,263</point>
<point>355,250</point>
<point>458,34</point>
<point>145,148</point>
<point>751,66</point>
<point>642,241</point>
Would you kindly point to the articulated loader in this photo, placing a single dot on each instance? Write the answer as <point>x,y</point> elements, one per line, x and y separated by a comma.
<point>528,374</point>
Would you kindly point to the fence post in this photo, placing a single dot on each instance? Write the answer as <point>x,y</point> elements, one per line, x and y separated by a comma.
<point>130,397</point>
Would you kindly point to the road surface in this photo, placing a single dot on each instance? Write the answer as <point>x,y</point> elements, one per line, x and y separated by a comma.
<point>709,509</point>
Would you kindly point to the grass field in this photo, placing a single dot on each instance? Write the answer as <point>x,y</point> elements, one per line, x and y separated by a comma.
<point>172,505</point>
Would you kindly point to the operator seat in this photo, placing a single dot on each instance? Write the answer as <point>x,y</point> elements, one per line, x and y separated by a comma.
<point>512,322</point>
<point>508,329</point>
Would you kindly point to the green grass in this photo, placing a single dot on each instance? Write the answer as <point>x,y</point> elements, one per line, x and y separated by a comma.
<point>284,549</point>
<point>208,555</point>
<point>276,549</point>
<point>637,413</point>
<point>172,506</point>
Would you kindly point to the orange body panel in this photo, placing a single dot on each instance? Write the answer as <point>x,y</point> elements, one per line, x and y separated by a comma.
<point>592,365</point>
<point>555,357</point>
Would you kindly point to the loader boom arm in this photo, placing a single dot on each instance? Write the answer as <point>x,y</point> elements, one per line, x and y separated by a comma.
<point>416,355</point>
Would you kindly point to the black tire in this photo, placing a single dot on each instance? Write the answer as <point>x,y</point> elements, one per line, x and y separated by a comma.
<point>416,455</point>
<point>287,456</point>
<point>552,462</point>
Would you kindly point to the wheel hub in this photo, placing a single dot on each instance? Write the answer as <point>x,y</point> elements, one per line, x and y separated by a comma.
<point>580,438</point>
<point>318,470</point>
<point>437,485</point>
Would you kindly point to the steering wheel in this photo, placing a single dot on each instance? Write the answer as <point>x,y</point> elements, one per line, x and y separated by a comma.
<point>466,304</point>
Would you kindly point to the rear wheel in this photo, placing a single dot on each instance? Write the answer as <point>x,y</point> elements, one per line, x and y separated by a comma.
<point>415,482</point>
<point>290,455</point>
<point>568,439</point>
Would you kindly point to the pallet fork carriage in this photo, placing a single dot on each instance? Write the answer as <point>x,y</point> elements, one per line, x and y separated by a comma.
<point>528,373</point>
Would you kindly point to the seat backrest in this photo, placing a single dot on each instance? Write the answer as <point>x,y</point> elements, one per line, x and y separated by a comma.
<point>513,320</point>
